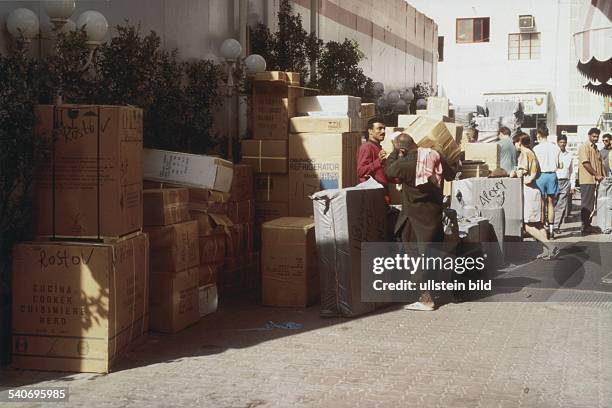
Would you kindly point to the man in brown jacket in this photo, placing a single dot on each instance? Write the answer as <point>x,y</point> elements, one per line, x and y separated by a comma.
<point>590,173</point>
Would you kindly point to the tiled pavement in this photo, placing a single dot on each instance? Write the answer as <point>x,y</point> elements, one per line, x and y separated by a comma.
<point>476,354</point>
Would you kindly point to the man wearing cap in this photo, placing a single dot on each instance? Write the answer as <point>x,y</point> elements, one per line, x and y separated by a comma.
<point>420,220</point>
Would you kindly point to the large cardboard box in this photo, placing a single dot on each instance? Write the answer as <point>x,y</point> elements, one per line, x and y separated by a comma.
<point>175,302</point>
<point>289,270</point>
<point>209,299</point>
<point>202,199</point>
<point>268,211</point>
<point>329,105</point>
<point>78,306</point>
<point>266,156</point>
<point>344,219</point>
<point>240,212</point>
<point>486,193</point>
<point>271,187</point>
<point>242,183</point>
<point>274,103</point>
<point>292,78</point>
<point>90,186</point>
<point>332,124</point>
<point>212,247</point>
<point>433,133</point>
<point>368,110</point>
<point>165,206</point>
<point>241,275</point>
<point>456,131</point>
<point>320,161</point>
<point>487,152</point>
<point>189,170</point>
<point>174,247</point>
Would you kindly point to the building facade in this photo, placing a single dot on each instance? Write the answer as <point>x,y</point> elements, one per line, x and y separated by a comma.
<point>519,49</point>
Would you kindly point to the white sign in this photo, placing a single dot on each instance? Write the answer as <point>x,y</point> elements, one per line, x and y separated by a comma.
<point>534,103</point>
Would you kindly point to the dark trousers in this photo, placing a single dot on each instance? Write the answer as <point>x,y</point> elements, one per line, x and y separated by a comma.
<point>587,198</point>
<point>564,202</point>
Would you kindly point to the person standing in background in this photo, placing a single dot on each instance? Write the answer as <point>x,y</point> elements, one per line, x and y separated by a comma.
<point>590,173</point>
<point>548,155</point>
<point>605,153</point>
<point>507,150</point>
<point>567,182</point>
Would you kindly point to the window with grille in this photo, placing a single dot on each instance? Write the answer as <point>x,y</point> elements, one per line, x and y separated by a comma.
<point>473,30</point>
<point>524,46</point>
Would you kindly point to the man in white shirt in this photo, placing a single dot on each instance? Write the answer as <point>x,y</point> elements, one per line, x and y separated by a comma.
<point>567,182</point>
<point>548,155</point>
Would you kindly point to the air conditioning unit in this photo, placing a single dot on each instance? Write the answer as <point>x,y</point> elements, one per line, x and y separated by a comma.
<point>526,22</point>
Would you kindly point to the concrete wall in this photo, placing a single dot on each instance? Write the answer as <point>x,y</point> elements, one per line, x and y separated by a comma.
<point>399,42</point>
<point>469,70</point>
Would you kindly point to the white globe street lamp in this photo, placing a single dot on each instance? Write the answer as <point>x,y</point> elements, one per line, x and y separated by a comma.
<point>23,25</point>
<point>230,49</point>
<point>59,11</point>
<point>95,26</point>
<point>255,63</point>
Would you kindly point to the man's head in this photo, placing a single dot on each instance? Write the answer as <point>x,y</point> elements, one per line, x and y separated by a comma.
<point>525,141</point>
<point>542,133</point>
<point>376,130</point>
<point>518,137</point>
<point>405,142</point>
<point>607,141</point>
<point>503,133</point>
<point>594,135</point>
<point>473,136</point>
<point>562,142</point>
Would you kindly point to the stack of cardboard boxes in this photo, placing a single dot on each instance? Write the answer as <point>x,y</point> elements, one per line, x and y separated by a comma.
<point>323,147</point>
<point>275,97</point>
<point>81,292</point>
<point>174,259</point>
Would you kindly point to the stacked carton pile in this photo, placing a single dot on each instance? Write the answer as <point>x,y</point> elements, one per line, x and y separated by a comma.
<point>322,148</point>
<point>274,104</point>
<point>368,111</point>
<point>81,292</point>
<point>174,259</point>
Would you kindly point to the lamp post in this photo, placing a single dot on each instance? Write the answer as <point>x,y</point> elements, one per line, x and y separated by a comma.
<point>237,69</point>
<point>59,11</point>
<point>23,25</point>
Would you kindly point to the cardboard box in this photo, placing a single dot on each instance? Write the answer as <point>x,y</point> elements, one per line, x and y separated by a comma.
<point>387,143</point>
<point>212,247</point>
<point>242,183</point>
<point>240,212</point>
<point>274,103</point>
<point>78,306</point>
<point>268,211</point>
<point>368,110</point>
<point>209,299</point>
<point>456,131</point>
<point>174,247</point>
<point>292,78</point>
<point>90,186</point>
<point>329,105</point>
<point>403,121</point>
<point>188,170</point>
<point>487,152</point>
<point>272,187</point>
<point>332,124</point>
<point>238,239</point>
<point>266,156</point>
<point>165,206</point>
<point>289,270</point>
<point>175,302</point>
<point>208,223</point>
<point>344,219</point>
<point>241,275</point>
<point>209,272</point>
<point>432,133</point>
<point>215,202</point>
<point>320,161</point>
<point>437,105</point>
<point>487,193</point>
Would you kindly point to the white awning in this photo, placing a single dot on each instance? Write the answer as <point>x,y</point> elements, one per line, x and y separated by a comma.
<point>593,46</point>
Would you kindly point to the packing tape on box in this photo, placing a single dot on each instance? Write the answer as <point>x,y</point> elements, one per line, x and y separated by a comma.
<point>259,157</point>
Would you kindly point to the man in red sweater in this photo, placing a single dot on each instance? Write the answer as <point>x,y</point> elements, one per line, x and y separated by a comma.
<point>371,157</point>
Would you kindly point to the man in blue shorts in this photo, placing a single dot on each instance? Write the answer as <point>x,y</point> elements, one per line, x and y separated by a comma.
<point>549,158</point>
